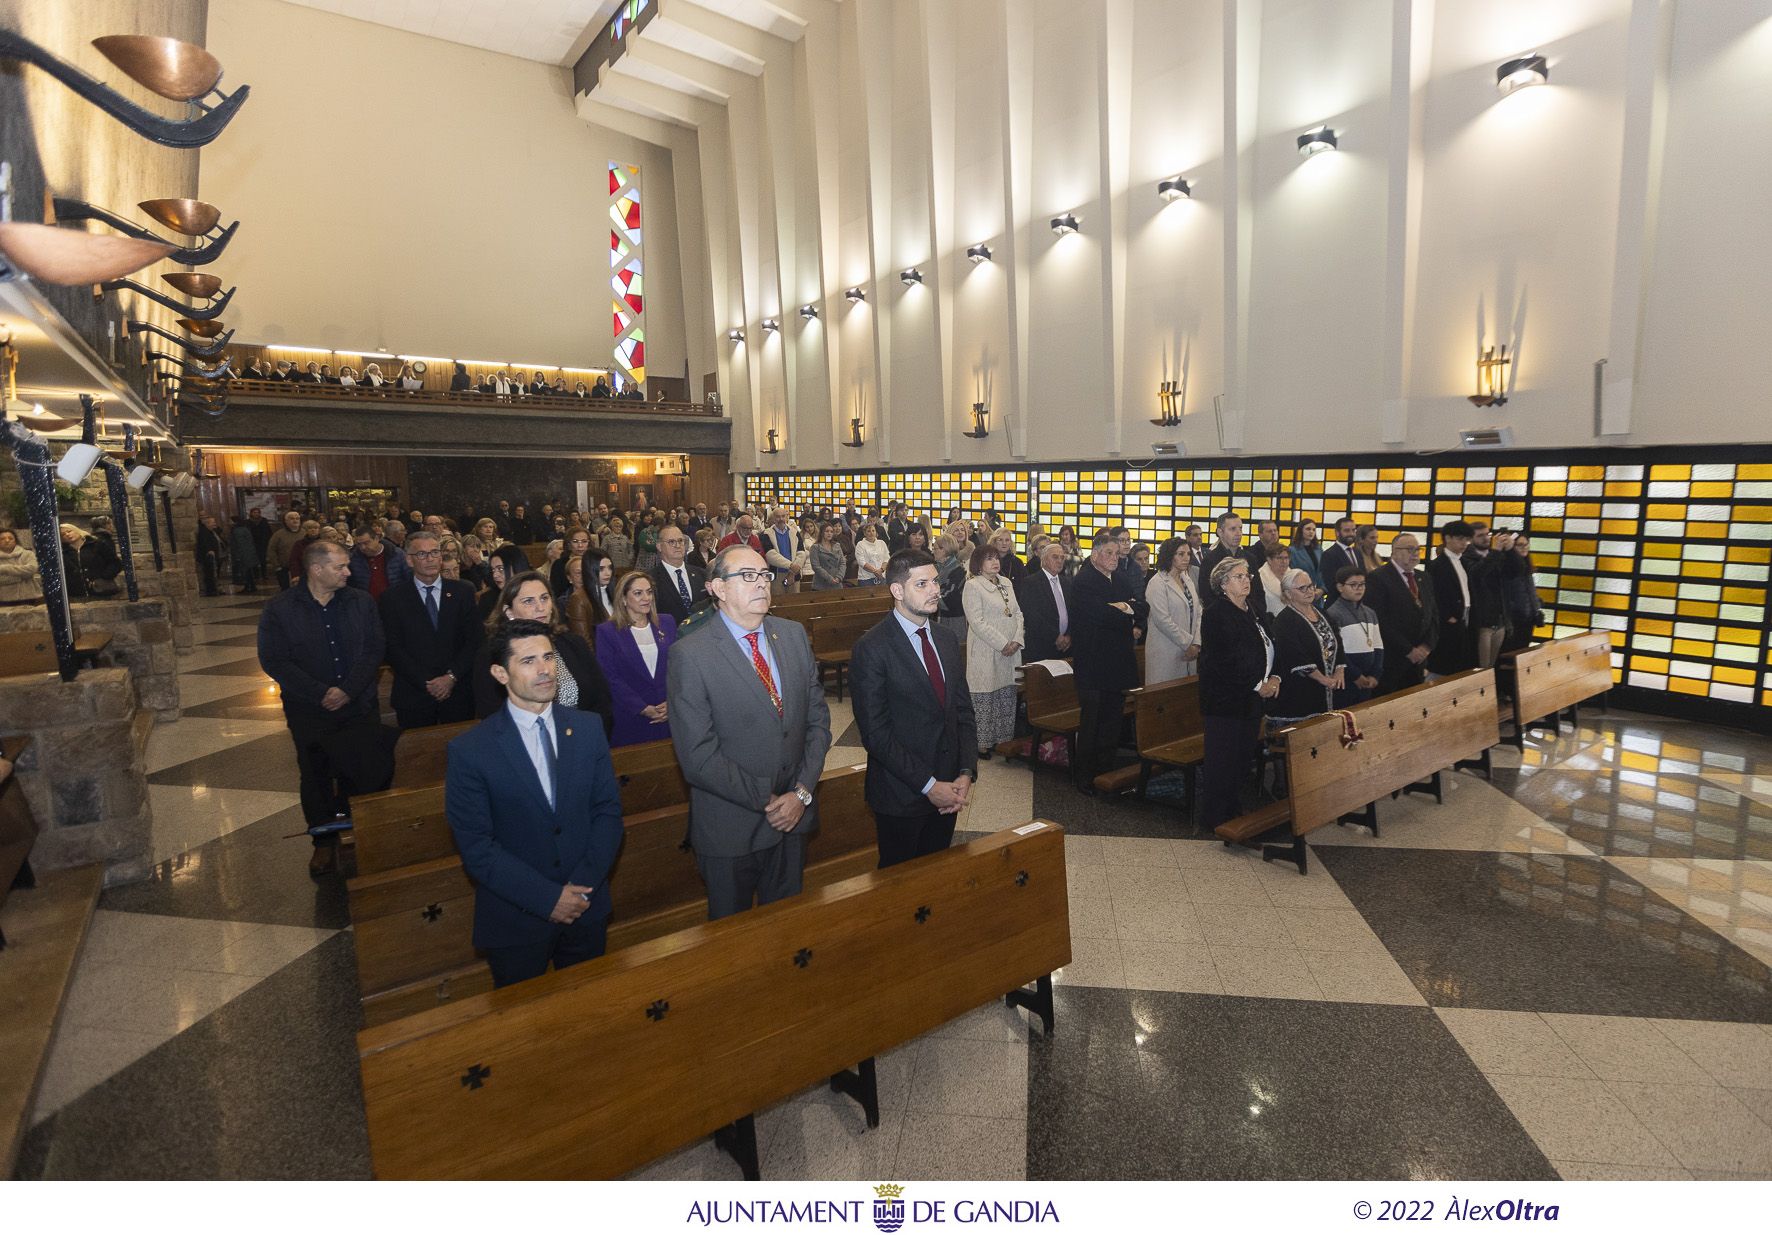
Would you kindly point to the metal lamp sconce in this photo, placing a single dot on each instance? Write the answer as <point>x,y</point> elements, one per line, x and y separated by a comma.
<point>856,436</point>
<point>202,286</point>
<point>184,215</point>
<point>1170,397</point>
<point>222,370</point>
<point>171,68</point>
<point>981,421</point>
<point>67,259</point>
<point>203,329</point>
<point>1492,366</point>
<point>202,351</point>
<point>774,447</point>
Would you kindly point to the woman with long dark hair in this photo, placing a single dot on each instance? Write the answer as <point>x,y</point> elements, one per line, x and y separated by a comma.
<point>579,681</point>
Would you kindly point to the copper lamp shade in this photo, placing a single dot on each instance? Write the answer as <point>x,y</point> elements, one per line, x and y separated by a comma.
<point>184,215</point>
<point>171,68</point>
<point>69,258</point>
<point>203,330</point>
<point>202,286</point>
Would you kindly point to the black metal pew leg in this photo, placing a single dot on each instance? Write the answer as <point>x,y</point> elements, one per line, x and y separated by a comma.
<point>1038,1001</point>
<point>740,1140</point>
<point>860,1085</point>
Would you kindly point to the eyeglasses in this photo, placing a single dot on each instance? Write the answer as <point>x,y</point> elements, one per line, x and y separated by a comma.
<point>424,553</point>
<point>749,576</point>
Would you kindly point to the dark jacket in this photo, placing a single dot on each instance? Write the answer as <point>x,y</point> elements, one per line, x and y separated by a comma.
<point>1297,651</point>
<point>1525,612</point>
<point>73,575</point>
<point>399,569</point>
<point>1102,655</point>
<point>519,851</point>
<point>909,736</point>
<point>1336,557</point>
<point>1405,624</point>
<point>1233,660</point>
<point>631,687</point>
<point>100,563</point>
<point>1456,650</point>
<point>293,649</point>
<point>1039,612</point>
<point>417,652</point>
<point>581,663</point>
<point>669,600</point>
<point>1488,592</point>
<point>1216,553</point>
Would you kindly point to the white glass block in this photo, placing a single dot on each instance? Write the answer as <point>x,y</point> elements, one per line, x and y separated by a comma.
<point>1670,528</point>
<point>1729,692</point>
<point>1417,507</point>
<point>1582,527</point>
<point>1669,488</point>
<point>1655,604</point>
<point>1708,512</point>
<point>1547,510</point>
<point>1741,573</point>
<point>1750,531</point>
<point>1737,653</point>
<point>1619,510</point>
<point>1479,473</point>
<point>1653,643</point>
<point>1700,591</point>
<point>1550,473</point>
<point>1624,471</point>
<point>1390,488</point>
<point>1576,600</point>
<point>1750,489</point>
<point>1650,681</point>
<point>1747,614</point>
<point>1511,488</point>
<point>1449,488</point>
<point>1608,621</point>
<point>1713,471</point>
<point>1613,587</point>
<point>1418,473</point>
<point>1577,562</point>
<point>1587,488</point>
<point>1697,670</point>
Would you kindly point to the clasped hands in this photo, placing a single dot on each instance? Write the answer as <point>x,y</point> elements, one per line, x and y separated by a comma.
<point>950,796</point>
<point>575,898</point>
<point>784,811</point>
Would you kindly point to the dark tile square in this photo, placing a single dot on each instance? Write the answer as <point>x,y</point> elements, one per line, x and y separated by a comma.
<point>1153,1085</point>
<point>266,1087</point>
<point>1055,797</point>
<point>266,762</point>
<point>1546,933</point>
<point>258,873</point>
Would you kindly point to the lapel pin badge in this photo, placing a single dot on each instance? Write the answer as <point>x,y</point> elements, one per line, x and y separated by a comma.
<point>569,733</point>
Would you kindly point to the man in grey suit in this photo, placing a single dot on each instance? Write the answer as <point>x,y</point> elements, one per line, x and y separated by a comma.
<point>751,728</point>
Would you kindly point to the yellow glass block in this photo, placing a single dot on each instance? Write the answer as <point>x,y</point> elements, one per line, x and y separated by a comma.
<point>1754,471</point>
<point>1616,565</point>
<point>1754,514</point>
<point>1737,634</point>
<point>1659,587</point>
<point>1696,608</point>
<point>1650,664</point>
<point>1712,488</point>
<point>1687,686</point>
<point>1744,595</point>
<point>1657,510</point>
<point>1582,510</point>
<point>1510,510</point>
<point>1751,554</point>
<point>1588,472</point>
<point>1692,647</point>
<point>1512,473</point>
<point>1581,546</point>
<point>1479,488</point>
<point>1671,471</point>
<point>1625,527</point>
<point>1607,600</point>
<point>1706,531</point>
<point>1550,488</point>
<point>1704,570</point>
<point>1661,550</point>
<point>1734,674</point>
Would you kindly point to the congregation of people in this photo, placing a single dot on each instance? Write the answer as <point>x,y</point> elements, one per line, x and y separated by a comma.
<point>501,384</point>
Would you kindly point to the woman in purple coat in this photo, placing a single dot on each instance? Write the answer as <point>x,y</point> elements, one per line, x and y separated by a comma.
<point>632,650</point>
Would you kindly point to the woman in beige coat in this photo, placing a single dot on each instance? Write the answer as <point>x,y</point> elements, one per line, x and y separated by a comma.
<point>994,635</point>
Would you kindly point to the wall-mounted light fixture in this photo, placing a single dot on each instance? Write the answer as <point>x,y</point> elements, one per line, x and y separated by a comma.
<point>1065,224</point>
<point>1492,363</point>
<point>774,447</point>
<point>1498,437</point>
<point>66,258</point>
<point>1522,71</point>
<point>981,422</point>
<point>1169,403</point>
<point>204,351</point>
<point>1174,187</point>
<point>184,215</point>
<point>1316,141</point>
<point>809,312</point>
<point>855,295</point>
<point>979,253</point>
<point>771,325</point>
<point>910,276</point>
<point>735,335</point>
<point>855,433</point>
<point>200,285</point>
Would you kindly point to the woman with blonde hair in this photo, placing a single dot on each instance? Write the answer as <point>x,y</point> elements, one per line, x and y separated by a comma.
<point>633,648</point>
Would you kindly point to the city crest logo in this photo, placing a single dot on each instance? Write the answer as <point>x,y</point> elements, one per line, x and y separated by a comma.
<point>888,1207</point>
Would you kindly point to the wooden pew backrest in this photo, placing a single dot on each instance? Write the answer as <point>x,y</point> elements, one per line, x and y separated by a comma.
<point>420,754</point>
<point>1549,677</point>
<point>1168,715</point>
<point>1408,737</point>
<point>669,1040</point>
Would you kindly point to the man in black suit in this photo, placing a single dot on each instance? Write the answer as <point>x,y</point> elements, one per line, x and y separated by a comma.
<point>433,635</point>
<point>1456,649</point>
<point>1104,618</point>
<point>908,676</point>
<point>1408,620</point>
<point>1044,594</point>
<point>677,583</point>
<point>1228,544</point>
<point>1344,552</point>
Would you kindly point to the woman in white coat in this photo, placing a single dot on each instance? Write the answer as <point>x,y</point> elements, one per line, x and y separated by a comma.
<point>994,635</point>
<point>1172,649</point>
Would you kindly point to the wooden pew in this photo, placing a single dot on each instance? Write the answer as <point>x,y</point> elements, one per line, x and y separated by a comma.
<point>1051,705</point>
<point>590,1072</point>
<point>786,602</point>
<point>833,641</point>
<point>1549,678</point>
<point>419,756</point>
<point>1170,731</point>
<point>1409,739</point>
<point>414,923</point>
<point>18,826</point>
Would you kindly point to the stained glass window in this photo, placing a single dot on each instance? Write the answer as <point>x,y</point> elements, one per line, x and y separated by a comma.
<point>625,273</point>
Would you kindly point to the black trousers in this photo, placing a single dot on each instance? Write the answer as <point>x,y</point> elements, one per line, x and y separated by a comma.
<point>565,946</point>
<point>763,877</point>
<point>1230,752</point>
<point>903,837</point>
<point>1098,731</point>
<point>458,707</point>
<point>210,569</point>
<point>321,798</point>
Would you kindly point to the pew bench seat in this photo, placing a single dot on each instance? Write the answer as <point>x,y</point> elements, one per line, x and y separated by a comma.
<point>1245,828</point>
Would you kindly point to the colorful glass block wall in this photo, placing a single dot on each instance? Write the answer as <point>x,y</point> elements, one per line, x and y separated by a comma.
<point>627,272</point>
<point>1673,558</point>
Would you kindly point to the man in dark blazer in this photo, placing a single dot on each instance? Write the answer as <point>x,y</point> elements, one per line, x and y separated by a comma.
<point>1456,649</point>
<point>1408,619</point>
<point>1344,552</point>
<point>1044,594</point>
<point>908,676</point>
<point>751,728</point>
<point>1229,543</point>
<point>532,799</point>
<point>1104,615</point>
<point>433,633</point>
<point>677,583</point>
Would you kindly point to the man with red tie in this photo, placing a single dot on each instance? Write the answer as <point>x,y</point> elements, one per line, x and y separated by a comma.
<point>908,676</point>
<point>751,728</point>
<point>1408,619</point>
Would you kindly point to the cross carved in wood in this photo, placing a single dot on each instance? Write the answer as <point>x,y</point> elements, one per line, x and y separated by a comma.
<point>922,914</point>
<point>1021,879</point>
<point>657,1009</point>
<point>803,957</point>
<point>431,912</point>
<point>475,1076</point>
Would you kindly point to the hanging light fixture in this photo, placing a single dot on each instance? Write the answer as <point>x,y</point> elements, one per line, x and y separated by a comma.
<point>1492,366</point>
<point>1316,141</point>
<point>771,325</point>
<point>1515,74</point>
<point>981,421</point>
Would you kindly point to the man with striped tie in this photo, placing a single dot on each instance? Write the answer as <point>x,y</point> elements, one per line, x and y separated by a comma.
<point>751,728</point>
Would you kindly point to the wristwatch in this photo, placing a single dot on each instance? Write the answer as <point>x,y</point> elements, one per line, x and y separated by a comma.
<point>805,796</point>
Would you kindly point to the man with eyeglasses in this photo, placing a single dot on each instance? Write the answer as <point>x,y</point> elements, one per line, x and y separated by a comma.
<point>1408,618</point>
<point>751,729</point>
<point>433,634</point>
<point>677,582</point>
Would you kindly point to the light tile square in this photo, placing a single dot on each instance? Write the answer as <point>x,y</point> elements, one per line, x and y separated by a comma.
<point>1268,973</point>
<point>1581,1121</point>
<point>1331,930</point>
<point>1362,977</point>
<point>1513,1044</point>
<point>938,1146</point>
<point>1736,1055</point>
<point>1094,962</point>
<point>1626,1048</point>
<point>966,1076</point>
<point>1151,965</point>
<point>1705,1126</point>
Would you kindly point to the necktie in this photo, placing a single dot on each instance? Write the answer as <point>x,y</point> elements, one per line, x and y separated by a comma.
<point>431,603</point>
<point>933,664</point>
<point>1414,591</point>
<point>682,586</point>
<point>762,668</point>
<point>1064,618</point>
<point>547,756</point>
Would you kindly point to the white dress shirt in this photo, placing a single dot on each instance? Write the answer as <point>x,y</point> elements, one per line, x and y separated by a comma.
<point>1464,582</point>
<point>1057,585</point>
<point>532,740</point>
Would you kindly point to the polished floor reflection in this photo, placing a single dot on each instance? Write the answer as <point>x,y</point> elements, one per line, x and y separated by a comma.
<point>1563,971</point>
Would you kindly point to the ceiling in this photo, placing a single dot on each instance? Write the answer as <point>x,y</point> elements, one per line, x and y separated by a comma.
<point>551,31</point>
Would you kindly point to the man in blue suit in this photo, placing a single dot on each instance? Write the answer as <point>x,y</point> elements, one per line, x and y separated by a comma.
<point>533,802</point>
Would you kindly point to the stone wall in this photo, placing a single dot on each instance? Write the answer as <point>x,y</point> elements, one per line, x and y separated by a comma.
<point>141,642</point>
<point>83,773</point>
<point>176,586</point>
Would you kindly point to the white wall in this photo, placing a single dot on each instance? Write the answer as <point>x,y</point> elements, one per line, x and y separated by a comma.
<point>425,197</point>
<point>1529,222</point>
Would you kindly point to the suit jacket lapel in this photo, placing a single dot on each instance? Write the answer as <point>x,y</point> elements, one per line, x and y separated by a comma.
<point>739,659</point>
<point>912,662</point>
<point>518,754</point>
